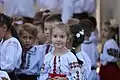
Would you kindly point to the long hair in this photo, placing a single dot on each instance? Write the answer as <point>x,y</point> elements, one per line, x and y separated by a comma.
<point>6,20</point>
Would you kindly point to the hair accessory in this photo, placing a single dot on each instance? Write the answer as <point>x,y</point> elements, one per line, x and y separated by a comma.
<point>80,33</point>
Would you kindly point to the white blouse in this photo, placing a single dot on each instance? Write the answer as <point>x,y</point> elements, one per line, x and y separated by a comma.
<point>10,54</point>
<point>82,55</point>
<point>111,43</point>
<point>66,64</point>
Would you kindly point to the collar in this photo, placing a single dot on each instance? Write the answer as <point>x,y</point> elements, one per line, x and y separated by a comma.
<point>87,42</point>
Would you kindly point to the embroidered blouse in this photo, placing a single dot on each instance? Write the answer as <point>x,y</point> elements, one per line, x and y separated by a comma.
<point>66,65</point>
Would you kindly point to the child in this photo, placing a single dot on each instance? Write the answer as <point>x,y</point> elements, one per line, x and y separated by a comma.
<point>10,50</point>
<point>60,64</point>
<point>109,69</point>
<point>40,37</point>
<point>32,56</point>
<point>94,34</point>
<point>49,21</point>
<point>78,37</point>
<point>4,76</point>
<point>90,48</point>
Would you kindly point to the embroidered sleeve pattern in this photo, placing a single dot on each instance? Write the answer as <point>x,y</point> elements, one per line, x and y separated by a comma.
<point>75,71</point>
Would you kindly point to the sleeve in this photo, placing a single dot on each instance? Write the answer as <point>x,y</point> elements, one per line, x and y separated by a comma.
<point>104,56</point>
<point>4,74</point>
<point>42,55</point>
<point>87,65</point>
<point>76,70</point>
<point>10,58</point>
<point>44,70</point>
<point>67,10</point>
<point>96,53</point>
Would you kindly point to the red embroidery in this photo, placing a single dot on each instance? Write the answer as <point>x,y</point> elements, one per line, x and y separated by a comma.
<point>54,69</point>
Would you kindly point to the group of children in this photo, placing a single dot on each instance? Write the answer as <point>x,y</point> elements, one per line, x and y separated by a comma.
<point>49,49</point>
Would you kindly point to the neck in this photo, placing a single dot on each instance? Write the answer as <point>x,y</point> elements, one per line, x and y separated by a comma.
<point>78,49</point>
<point>86,38</point>
<point>8,36</point>
<point>60,51</point>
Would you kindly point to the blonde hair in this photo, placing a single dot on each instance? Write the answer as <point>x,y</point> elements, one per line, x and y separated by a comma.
<point>30,28</point>
<point>63,27</point>
<point>112,27</point>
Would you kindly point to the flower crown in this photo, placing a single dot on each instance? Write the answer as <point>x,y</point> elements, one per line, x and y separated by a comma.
<point>80,33</point>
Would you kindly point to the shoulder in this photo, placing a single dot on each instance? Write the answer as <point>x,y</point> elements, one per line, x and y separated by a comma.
<point>37,49</point>
<point>111,44</point>
<point>13,41</point>
<point>71,57</point>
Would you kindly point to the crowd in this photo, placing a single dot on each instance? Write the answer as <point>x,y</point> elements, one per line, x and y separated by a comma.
<point>53,45</point>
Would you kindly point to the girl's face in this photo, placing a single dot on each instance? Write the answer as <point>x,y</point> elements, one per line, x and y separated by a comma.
<point>105,32</point>
<point>59,38</point>
<point>47,30</point>
<point>27,39</point>
<point>3,29</point>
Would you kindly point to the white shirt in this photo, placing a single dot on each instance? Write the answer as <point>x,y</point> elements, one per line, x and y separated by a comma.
<point>94,38</point>
<point>82,55</point>
<point>65,64</point>
<point>111,43</point>
<point>34,60</point>
<point>19,8</point>
<point>10,54</point>
<point>91,51</point>
<point>89,6</point>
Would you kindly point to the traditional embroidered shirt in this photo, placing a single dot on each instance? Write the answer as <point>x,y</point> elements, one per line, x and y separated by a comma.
<point>10,54</point>
<point>61,65</point>
<point>82,55</point>
<point>33,61</point>
<point>111,43</point>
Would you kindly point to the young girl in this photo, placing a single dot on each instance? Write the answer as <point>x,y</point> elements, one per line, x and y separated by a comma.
<point>60,64</point>
<point>78,37</point>
<point>49,21</point>
<point>4,76</point>
<point>89,47</point>
<point>32,56</point>
<point>109,69</point>
<point>10,51</point>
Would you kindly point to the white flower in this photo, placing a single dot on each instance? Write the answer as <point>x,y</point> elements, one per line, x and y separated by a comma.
<point>82,32</point>
<point>78,35</point>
